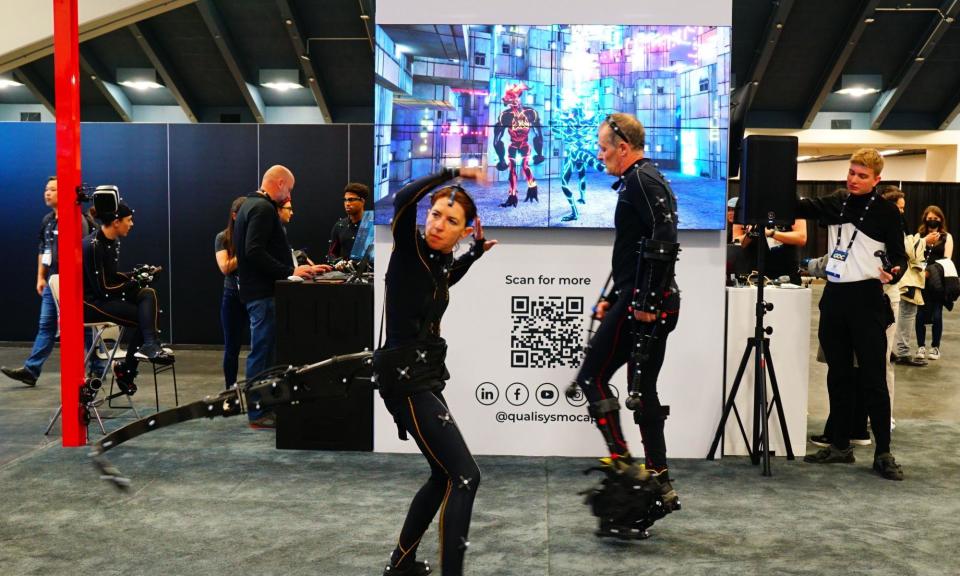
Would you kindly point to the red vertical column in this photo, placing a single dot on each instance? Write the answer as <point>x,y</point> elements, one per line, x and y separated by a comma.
<point>66,62</point>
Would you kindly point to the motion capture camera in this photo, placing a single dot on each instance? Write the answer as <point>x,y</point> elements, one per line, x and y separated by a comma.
<point>89,389</point>
<point>143,274</point>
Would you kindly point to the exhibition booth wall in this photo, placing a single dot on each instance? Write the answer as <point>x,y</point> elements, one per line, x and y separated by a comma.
<point>180,179</point>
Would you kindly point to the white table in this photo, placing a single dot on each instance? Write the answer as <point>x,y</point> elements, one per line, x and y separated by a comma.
<point>790,349</point>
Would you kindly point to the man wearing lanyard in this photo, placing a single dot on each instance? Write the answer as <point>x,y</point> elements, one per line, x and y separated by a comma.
<point>854,312</point>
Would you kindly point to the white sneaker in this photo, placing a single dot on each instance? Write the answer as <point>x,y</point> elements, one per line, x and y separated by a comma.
<point>921,353</point>
<point>934,353</point>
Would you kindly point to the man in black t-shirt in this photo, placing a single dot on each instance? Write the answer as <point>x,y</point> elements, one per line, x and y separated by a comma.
<point>344,232</point>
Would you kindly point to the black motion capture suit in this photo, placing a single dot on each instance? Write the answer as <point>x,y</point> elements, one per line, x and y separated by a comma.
<point>411,375</point>
<point>646,209</point>
<point>111,296</point>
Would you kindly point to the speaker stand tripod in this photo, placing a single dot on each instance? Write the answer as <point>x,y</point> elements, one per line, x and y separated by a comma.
<point>759,347</point>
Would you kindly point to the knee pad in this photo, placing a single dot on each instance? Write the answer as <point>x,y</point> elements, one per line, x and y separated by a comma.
<point>601,407</point>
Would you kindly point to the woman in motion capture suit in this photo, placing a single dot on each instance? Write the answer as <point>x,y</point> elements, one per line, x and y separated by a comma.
<point>409,367</point>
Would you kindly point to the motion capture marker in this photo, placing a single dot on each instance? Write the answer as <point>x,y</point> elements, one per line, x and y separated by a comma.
<point>403,373</point>
<point>431,256</point>
<point>422,356</point>
<point>210,408</point>
<point>344,380</point>
<point>151,422</point>
<point>465,484</point>
<point>464,543</point>
<point>256,406</point>
<point>294,387</point>
<point>445,419</point>
<point>108,444</point>
<point>374,377</point>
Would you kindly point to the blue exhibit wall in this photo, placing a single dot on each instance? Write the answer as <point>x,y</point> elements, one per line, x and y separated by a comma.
<point>180,179</point>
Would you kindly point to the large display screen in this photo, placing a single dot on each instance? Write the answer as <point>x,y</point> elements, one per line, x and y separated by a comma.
<point>525,103</point>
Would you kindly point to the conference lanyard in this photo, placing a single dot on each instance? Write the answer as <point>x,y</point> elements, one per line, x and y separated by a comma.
<point>856,230</point>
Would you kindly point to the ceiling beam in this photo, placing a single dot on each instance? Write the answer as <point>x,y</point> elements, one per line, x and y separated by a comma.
<point>948,115</point>
<point>35,84</point>
<point>92,29</point>
<point>221,36</point>
<point>164,68</point>
<point>863,18</point>
<point>778,16</point>
<point>113,93</point>
<point>292,24</point>
<point>888,100</point>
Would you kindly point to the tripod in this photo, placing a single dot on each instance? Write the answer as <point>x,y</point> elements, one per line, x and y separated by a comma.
<point>759,346</point>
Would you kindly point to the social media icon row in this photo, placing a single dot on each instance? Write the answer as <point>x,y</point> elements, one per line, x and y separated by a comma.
<point>517,394</point>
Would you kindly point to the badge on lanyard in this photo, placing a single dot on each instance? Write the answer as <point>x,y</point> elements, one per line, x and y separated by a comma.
<point>837,263</point>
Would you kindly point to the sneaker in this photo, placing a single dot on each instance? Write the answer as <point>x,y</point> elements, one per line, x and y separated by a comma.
<point>885,465</point>
<point>822,441</point>
<point>418,568</point>
<point>910,361</point>
<point>269,422</point>
<point>155,353</point>
<point>20,374</point>
<point>862,439</point>
<point>934,353</point>
<point>831,455</point>
<point>921,353</point>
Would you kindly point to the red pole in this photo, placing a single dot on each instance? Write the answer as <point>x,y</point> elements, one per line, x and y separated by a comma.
<point>66,63</point>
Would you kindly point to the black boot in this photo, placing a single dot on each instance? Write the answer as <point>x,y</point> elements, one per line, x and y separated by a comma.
<point>125,378</point>
<point>532,195</point>
<point>416,569</point>
<point>510,201</point>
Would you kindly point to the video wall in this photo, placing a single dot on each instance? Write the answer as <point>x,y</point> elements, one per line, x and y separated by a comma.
<point>525,103</point>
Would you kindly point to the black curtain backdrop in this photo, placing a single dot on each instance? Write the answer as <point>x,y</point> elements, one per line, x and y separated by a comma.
<point>180,179</point>
<point>919,195</point>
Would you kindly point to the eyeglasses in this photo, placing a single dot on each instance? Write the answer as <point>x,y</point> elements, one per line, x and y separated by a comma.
<point>353,199</point>
<point>289,208</point>
<point>616,129</point>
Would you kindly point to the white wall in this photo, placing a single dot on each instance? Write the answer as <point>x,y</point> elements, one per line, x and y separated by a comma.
<point>906,168</point>
<point>858,120</point>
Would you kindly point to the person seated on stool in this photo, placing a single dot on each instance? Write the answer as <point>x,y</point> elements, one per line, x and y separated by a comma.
<point>344,232</point>
<point>112,296</point>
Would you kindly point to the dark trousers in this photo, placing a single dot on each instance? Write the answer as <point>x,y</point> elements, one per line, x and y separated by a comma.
<point>853,319</point>
<point>610,349</point>
<point>233,319</point>
<point>931,313</point>
<point>138,311</point>
<point>451,487</point>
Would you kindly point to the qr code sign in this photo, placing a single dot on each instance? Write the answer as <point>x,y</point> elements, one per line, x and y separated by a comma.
<point>547,331</point>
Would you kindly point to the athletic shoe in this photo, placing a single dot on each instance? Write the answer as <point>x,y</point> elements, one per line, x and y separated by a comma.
<point>934,353</point>
<point>416,569</point>
<point>885,465</point>
<point>155,353</point>
<point>822,440</point>
<point>862,439</point>
<point>831,455</point>
<point>265,422</point>
<point>671,501</point>
<point>921,353</point>
<point>20,374</point>
<point>910,361</point>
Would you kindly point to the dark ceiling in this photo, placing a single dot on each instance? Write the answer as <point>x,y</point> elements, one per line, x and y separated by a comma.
<point>793,54</point>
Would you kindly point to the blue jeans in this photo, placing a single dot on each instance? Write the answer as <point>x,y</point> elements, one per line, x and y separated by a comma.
<point>263,328</point>
<point>47,337</point>
<point>233,316</point>
<point>930,314</point>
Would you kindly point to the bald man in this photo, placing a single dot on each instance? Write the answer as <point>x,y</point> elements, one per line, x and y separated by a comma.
<point>263,257</point>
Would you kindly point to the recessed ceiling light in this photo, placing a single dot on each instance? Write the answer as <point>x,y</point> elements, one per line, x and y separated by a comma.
<point>889,152</point>
<point>141,84</point>
<point>803,158</point>
<point>857,91</point>
<point>282,86</point>
<point>869,21</point>
<point>7,83</point>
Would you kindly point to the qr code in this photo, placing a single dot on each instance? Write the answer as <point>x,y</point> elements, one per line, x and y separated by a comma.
<point>547,331</point>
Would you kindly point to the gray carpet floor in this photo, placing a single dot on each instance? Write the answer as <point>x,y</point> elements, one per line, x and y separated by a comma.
<point>214,497</point>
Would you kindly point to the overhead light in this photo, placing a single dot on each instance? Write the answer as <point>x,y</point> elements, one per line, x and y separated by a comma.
<point>857,91</point>
<point>7,82</point>
<point>889,152</point>
<point>803,158</point>
<point>919,59</point>
<point>869,21</point>
<point>281,80</point>
<point>138,78</point>
<point>141,84</point>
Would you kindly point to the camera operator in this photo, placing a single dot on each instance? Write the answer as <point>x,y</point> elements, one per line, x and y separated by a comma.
<point>121,298</point>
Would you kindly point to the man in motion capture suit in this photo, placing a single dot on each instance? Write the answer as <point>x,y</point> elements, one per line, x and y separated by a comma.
<point>409,368</point>
<point>577,134</point>
<point>636,317</point>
